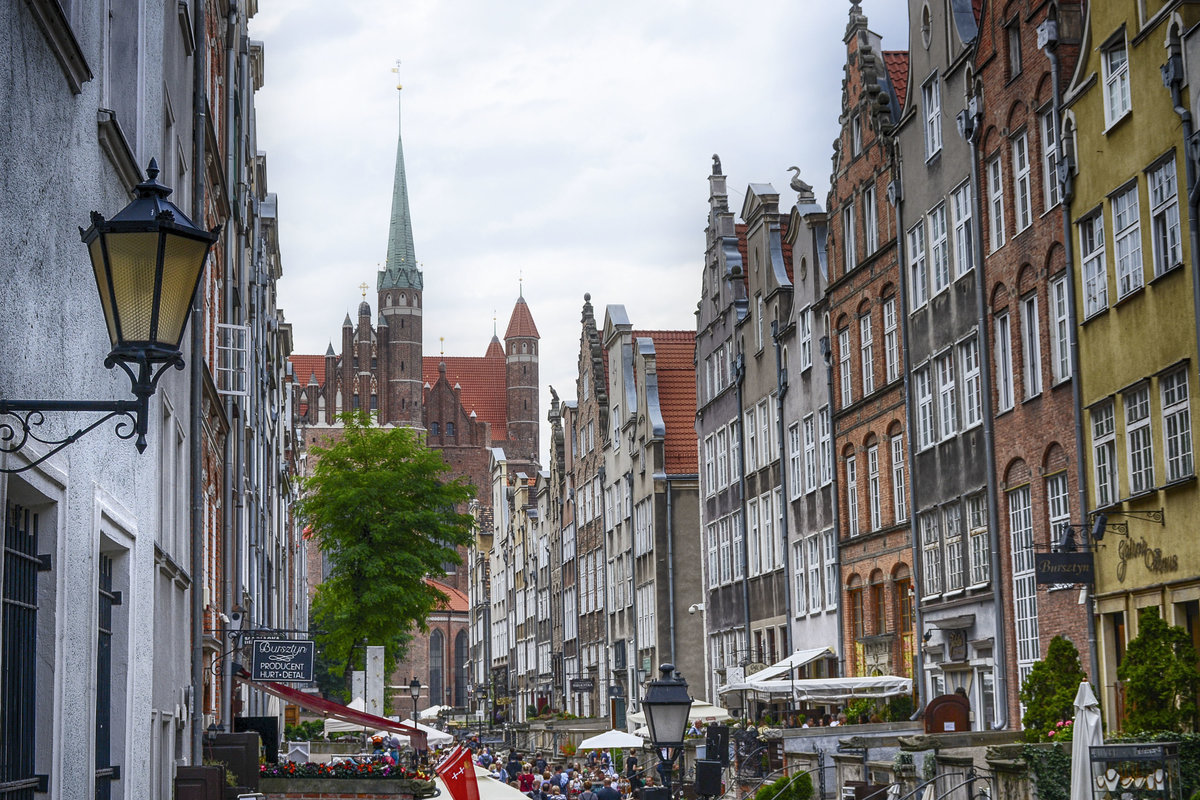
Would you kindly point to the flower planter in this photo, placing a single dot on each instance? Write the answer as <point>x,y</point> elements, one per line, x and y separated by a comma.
<point>344,788</point>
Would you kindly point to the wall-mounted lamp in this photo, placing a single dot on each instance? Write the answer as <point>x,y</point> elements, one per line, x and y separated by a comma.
<point>147,262</point>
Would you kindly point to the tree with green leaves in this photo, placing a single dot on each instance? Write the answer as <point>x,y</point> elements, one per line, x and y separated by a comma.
<point>1048,691</point>
<point>1160,675</point>
<point>381,507</point>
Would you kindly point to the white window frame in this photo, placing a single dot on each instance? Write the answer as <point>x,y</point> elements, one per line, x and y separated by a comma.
<point>825,443</point>
<point>722,458</point>
<point>995,172</point>
<point>939,249</point>
<point>799,576</point>
<point>981,546</point>
<point>753,538</point>
<point>814,573</point>
<point>1031,346</point>
<point>1139,441</point>
<point>844,368</point>
<point>1104,453</point>
<point>750,431</point>
<point>972,385</point>
<point>964,237</point>
<point>866,344</point>
<point>1025,618</point>
<point>795,463</point>
<point>849,251</point>
<point>926,426</point>
<point>1051,191</point>
<point>952,533</point>
<point>805,338</point>
<point>233,365</point>
<point>891,339</point>
<point>1164,217</point>
<point>931,96</point>
<point>947,396</point>
<point>735,537</point>
<point>931,544</point>
<point>1004,365</point>
<point>1127,241</point>
<point>1177,425</point>
<point>899,497</point>
<point>831,567</point>
<point>916,266</point>
<point>873,500</point>
<point>1114,64</point>
<point>851,495</point>
<point>870,222</point>
<point>1060,331</point>
<point>1022,182</point>
<point>1095,274</point>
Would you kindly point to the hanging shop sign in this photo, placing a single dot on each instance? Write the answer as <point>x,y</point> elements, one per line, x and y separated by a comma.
<point>582,685</point>
<point>282,660</point>
<point>1063,568</point>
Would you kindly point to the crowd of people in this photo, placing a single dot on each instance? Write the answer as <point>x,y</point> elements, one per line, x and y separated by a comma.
<point>593,777</point>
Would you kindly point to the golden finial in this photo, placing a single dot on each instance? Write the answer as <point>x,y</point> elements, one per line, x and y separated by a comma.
<point>495,330</point>
<point>396,69</point>
<point>364,288</point>
<point>442,339</point>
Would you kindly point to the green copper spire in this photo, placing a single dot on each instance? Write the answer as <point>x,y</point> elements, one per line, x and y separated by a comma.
<point>401,270</point>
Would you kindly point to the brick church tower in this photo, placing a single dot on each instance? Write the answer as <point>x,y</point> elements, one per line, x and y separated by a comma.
<point>400,286</point>
<point>521,380</point>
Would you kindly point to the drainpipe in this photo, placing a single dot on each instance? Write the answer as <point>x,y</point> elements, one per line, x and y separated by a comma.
<point>739,369</point>
<point>895,192</point>
<point>199,125</point>
<point>671,565</point>
<point>969,129</point>
<point>834,501</point>
<point>631,660</point>
<point>781,382</point>
<point>1048,31</point>
<point>602,668</point>
<point>1172,74</point>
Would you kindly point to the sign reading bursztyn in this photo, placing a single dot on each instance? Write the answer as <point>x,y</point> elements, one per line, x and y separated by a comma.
<point>1063,567</point>
<point>282,660</point>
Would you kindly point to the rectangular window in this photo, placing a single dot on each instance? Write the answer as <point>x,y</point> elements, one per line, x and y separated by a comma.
<point>855,135</point>
<point>1116,82</point>
<point>1058,507</point>
<point>826,442</point>
<point>916,265</point>
<point>1004,374</point>
<point>947,401</point>
<point>1127,241</point>
<point>952,528</point>
<point>722,459</point>
<point>854,597</point>
<point>848,250</point>
<point>770,554</point>
<point>1177,424</point>
<point>931,96</point>
<point>831,577</point>
<point>735,526</point>
<point>891,340</point>
<point>806,338</point>
<point>939,249</point>
<point>1013,30</point>
<point>1095,276</point>
<point>870,222</point>
<point>1022,183</point>
<point>851,496</point>
<point>866,343</point>
<point>1031,347</point>
<point>972,391</point>
<point>995,203</point>
<point>810,454</point>
<point>814,574</point>
<point>1051,189</point>
<point>799,577</point>
<point>758,331</point>
<point>750,431</point>
<point>756,557</point>
<point>873,486</point>
<point>844,366</point>
<point>1137,440</point>
<point>1060,331</point>
<point>926,433</point>
<point>931,548</point>
<point>899,499</point>
<point>726,555</point>
<point>964,242</point>
<point>1020,522</point>
<point>1164,217</point>
<point>795,472</point>
<point>1104,453</point>
<point>766,451</point>
<point>980,546</point>
<point>233,366</point>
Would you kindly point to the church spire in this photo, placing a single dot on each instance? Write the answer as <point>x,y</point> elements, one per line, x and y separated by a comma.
<point>401,270</point>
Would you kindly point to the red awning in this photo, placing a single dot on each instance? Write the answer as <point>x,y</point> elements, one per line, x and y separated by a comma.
<point>328,708</point>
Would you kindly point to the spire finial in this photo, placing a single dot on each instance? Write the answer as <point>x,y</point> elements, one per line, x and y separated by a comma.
<point>396,69</point>
<point>364,288</point>
<point>442,339</point>
<point>521,284</point>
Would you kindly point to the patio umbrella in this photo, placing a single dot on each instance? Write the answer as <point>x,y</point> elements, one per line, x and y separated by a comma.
<point>1087,732</point>
<point>610,740</point>
<point>699,712</point>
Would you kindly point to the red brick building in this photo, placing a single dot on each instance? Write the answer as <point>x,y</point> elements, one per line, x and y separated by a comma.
<point>865,318</point>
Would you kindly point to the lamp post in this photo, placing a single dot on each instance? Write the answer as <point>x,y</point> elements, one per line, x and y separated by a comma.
<point>147,261</point>
<point>414,691</point>
<point>666,705</point>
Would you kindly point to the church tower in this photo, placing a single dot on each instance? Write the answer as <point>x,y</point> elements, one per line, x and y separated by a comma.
<point>400,287</point>
<point>521,374</point>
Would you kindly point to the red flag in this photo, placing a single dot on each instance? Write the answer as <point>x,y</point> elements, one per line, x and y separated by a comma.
<point>457,771</point>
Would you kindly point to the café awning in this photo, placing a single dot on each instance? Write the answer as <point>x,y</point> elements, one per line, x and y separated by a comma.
<point>796,660</point>
<point>329,709</point>
<point>824,690</point>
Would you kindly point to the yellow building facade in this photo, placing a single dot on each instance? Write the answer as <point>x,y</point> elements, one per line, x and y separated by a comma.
<point>1136,322</point>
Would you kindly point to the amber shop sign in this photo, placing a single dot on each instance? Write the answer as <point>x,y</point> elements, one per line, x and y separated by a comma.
<point>1064,568</point>
<point>282,660</point>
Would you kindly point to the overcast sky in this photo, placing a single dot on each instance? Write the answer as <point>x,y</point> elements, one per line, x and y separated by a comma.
<point>564,144</point>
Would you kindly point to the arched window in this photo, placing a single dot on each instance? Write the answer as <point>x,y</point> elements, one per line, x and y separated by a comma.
<point>437,667</point>
<point>449,428</point>
<point>460,669</point>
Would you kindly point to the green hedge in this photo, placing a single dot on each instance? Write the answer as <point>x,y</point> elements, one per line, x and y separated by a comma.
<point>797,787</point>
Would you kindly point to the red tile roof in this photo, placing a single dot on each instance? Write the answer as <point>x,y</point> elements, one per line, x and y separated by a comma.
<point>458,601</point>
<point>521,321</point>
<point>896,62</point>
<point>484,390</point>
<point>675,354</point>
<point>306,366</point>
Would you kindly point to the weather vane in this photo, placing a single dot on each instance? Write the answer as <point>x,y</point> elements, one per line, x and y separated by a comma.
<point>396,69</point>
<point>364,288</point>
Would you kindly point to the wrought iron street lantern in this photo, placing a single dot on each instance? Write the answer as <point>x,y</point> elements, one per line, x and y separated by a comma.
<point>147,261</point>
<point>666,705</point>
